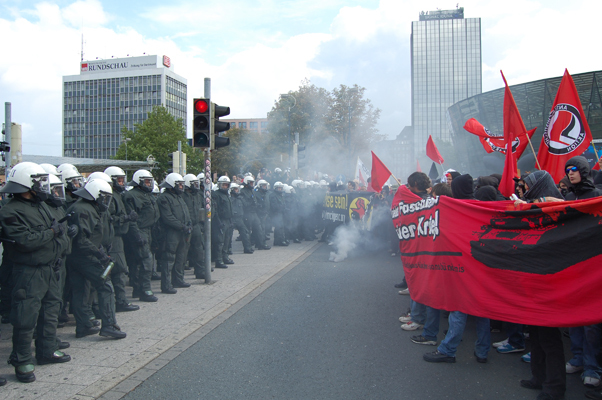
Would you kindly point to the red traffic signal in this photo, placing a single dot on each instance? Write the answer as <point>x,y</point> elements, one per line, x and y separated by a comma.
<point>201,105</point>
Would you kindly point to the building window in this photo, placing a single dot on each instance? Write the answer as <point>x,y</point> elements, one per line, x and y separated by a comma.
<point>242,125</point>
<point>253,125</point>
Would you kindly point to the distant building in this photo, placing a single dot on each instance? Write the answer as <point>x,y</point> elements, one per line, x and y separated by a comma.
<point>251,124</point>
<point>446,68</point>
<point>110,94</point>
<point>391,153</point>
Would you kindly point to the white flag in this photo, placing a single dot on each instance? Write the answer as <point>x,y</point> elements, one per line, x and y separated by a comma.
<point>361,173</point>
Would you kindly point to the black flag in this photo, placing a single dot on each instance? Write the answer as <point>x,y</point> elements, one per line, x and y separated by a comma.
<point>433,173</point>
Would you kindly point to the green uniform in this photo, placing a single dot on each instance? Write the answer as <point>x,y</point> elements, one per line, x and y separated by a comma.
<point>277,217</point>
<point>221,224</point>
<point>84,263</point>
<point>238,222</point>
<point>140,238</point>
<point>249,204</point>
<point>196,253</point>
<point>36,291</point>
<point>176,227</point>
<point>121,226</point>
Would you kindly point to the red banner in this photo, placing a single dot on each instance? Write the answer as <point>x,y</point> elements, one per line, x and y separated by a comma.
<point>499,144</point>
<point>527,265</point>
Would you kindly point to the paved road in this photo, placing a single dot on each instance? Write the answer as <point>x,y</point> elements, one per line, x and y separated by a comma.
<point>330,331</point>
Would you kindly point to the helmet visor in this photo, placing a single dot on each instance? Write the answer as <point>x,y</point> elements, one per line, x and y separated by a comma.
<point>58,192</point>
<point>75,183</point>
<point>41,184</point>
<point>147,183</point>
<point>104,200</point>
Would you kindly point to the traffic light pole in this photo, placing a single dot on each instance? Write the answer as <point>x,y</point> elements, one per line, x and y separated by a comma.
<point>207,185</point>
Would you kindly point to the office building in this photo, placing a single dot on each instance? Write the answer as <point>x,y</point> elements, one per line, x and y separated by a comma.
<point>110,94</point>
<point>446,68</point>
<point>259,125</point>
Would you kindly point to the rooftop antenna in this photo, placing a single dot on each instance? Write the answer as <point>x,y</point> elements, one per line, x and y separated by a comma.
<point>82,47</point>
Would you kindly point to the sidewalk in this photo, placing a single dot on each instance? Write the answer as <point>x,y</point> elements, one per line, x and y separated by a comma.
<point>103,368</point>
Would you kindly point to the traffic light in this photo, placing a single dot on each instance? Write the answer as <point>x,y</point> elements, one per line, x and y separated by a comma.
<point>174,162</point>
<point>201,135</point>
<point>219,126</point>
<point>300,156</point>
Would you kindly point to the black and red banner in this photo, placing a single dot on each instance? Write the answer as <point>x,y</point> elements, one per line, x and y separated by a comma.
<point>538,264</point>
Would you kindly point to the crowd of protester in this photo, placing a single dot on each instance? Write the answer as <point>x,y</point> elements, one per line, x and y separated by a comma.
<point>547,357</point>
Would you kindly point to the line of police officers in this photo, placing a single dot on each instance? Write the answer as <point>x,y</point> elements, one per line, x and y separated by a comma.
<point>70,244</point>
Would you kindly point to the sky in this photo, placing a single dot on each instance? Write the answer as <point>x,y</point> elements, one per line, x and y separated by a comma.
<point>254,50</point>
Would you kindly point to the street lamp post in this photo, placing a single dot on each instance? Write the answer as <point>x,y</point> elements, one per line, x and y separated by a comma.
<point>126,140</point>
<point>288,140</point>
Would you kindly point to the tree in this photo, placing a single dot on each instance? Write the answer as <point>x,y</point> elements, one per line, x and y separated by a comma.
<point>158,136</point>
<point>248,151</point>
<point>322,120</point>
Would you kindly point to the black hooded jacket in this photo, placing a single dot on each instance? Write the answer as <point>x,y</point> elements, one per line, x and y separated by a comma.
<point>541,184</point>
<point>584,189</point>
<point>462,187</point>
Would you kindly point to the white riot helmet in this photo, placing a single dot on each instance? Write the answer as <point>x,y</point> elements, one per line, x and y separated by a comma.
<point>287,188</point>
<point>156,188</point>
<point>323,184</point>
<point>57,190</point>
<point>97,190</point>
<point>214,187</point>
<point>234,188</point>
<point>223,183</point>
<point>144,180</point>
<point>100,175</point>
<point>192,182</point>
<point>279,186</point>
<point>71,177</point>
<point>262,184</point>
<point>27,176</point>
<point>174,181</point>
<point>118,178</point>
<point>277,170</point>
<point>295,182</point>
<point>249,180</point>
<point>51,169</point>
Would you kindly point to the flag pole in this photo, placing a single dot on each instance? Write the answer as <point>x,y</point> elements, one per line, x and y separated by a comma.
<point>595,152</point>
<point>534,153</point>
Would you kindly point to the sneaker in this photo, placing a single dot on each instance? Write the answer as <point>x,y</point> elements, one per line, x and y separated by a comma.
<point>508,348</point>
<point>526,357</point>
<point>591,382</point>
<point>572,369</point>
<point>404,291</point>
<point>438,357</point>
<point>419,339</point>
<point>499,344</point>
<point>405,318</point>
<point>411,326</point>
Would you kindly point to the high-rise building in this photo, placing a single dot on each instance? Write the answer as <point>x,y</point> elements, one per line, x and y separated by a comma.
<point>446,68</point>
<point>110,94</point>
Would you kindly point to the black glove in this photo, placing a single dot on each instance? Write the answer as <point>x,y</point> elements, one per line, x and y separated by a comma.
<point>104,259</point>
<point>72,231</point>
<point>140,241</point>
<point>132,216</point>
<point>184,228</point>
<point>57,228</point>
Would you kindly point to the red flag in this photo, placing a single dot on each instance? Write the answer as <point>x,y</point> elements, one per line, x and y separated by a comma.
<point>498,144</point>
<point>379,174</point>
<point>567,133</point>
<point>432,152</point>
<point>476,128</point>
<point>513,128</point>
<point>418,166</point>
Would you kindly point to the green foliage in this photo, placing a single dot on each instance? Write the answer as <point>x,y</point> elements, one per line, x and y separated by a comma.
<point>158,136</point>
<point>342,122</point>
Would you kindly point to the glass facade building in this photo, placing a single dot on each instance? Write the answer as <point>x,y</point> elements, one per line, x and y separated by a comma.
<point>446,68</point>
<point>534,101</point>
<point>111,94</point>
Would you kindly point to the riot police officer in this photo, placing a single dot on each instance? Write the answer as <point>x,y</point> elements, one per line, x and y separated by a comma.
<point>238,222</point>
<point>89,258</point>
<point>194,200</point>
<point>27,222</point>
<point>175,228</point>
<point>277,210</point>
<point>221,227</point>
<point>121,226</point>
<point>139,235</point>
<point>249,203</point>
